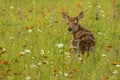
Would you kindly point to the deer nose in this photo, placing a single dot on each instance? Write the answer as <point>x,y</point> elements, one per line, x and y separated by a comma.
<point>69,29</point>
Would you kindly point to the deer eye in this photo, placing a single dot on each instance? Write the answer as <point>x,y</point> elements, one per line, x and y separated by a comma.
<point>75,23</point>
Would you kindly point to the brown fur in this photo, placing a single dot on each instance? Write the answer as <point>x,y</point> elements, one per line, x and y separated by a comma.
<point>82,39</point>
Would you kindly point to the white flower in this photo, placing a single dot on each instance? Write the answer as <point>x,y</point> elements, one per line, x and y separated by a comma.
<point>27,51</point>
<point>101,11</point>
<point>46,62</point>
<point>99,6</point>
<point>68,56</point>
<point>115,72</point>
<point>67,53</point>
<point>60,72</point>
<point>56,75</point>
<point>48,51</point>
<point>104,55</point>
<point>42,52</point>
<point>99,33</point>
<point>80,58</point>
<point>22,53</point>
<point>33,66</point>
<point>33,58</point>
<point>118,65</point>
<point>59,45</point>
<point>26,39</point>
<point>39,30</point>
<point>103,15</point>
<point>66,74</point>
<point>30,30</point>
<point>13,44</point>
<point>4,49</point>
<point>39,63</point>
<point>28,78</point>
<point>11,7</point>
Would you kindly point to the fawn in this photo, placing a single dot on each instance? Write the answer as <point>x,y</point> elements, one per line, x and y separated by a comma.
<point>82,40</point>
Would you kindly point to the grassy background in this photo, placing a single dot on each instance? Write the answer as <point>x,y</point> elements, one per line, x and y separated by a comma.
<point>37,26</point>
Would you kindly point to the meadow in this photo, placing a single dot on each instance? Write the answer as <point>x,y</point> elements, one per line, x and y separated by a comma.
<point>35,42</point>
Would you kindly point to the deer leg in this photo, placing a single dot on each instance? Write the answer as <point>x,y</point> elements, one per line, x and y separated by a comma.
<point>78,48</point>
<point>73,48</point>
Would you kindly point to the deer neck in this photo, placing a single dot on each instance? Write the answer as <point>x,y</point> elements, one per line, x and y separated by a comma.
<point>80,28</point>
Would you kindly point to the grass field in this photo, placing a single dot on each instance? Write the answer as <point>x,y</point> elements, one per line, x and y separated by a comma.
<point>35,42</point>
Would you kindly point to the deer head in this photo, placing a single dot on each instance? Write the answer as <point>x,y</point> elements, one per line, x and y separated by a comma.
<point>73,22</point>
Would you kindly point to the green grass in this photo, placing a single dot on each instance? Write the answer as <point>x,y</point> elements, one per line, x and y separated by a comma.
<point>46,61</point>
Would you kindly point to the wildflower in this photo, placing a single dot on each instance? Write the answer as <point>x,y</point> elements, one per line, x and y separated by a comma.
<point>51,62</point>
<point>79,5</point>
<point>26,39</point>
<point>59,45</point>
<point>48,51</point>
<point>33,66</point>
<point>39,30</point>
<point>66,67</point>
<point>30,30</point>
<point>28,78</point>
<point>45,62</point>
<point>99,6</point>
<point>11,7</point>
<point>39,64</point>
<point>27,51</point>
<point>108,45</point>
<point>115,72</point>
<point>60,72</point>
<point>104,78</point>
<point>101,11</point>
<point>56,75</point>
<point>70,72</point>
<point>99,33</point>
<point>42,52</point>
<point>103,15</point>
<point>118,65</point>
<point>22,53</point>
<point>104,55</point>
<point>44,15</point>
<point>28,27</point>
<point>33,58</point>
<point>11,38</point>
<point>70,76</point>
<point>55,70</point>
<point>80,58</point>
<point>13,44</point>
<point>75,69</point>
<point>68,56</point>
<point>107,49</point>
<point>114,63</point>
<point>113,1</point>
<point>66,74</point>
<point>67,53</point>
<point>3,62</point>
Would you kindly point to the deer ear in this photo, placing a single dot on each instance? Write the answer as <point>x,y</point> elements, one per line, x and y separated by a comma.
<point>65,16</point>
<point>80,16</point>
